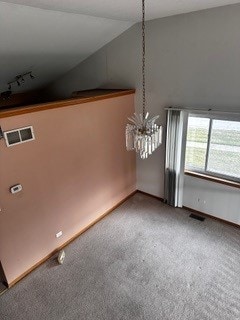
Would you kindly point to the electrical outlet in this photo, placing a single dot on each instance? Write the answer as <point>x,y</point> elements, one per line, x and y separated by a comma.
<point>59,234</point>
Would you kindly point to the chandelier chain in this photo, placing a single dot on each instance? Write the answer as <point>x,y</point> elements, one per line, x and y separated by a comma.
<point>143,59</point>
<point>142,133</point>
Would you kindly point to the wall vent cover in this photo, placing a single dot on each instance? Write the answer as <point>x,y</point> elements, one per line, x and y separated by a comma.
<point>18,136</point>
<point>197,217</point>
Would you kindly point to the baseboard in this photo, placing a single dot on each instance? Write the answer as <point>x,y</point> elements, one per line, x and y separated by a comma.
<point>212,217</point>
<point>151,195</point>
<point>12,283</point>
<point>195,211</point>
<point>3,288</point>
<point>98,219</point>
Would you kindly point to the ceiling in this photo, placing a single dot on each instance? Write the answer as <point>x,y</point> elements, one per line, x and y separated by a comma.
<point>49,43</point>
<point>50,37</point>
<point>127,10</point>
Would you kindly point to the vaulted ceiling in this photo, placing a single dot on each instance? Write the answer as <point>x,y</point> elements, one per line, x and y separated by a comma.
<point>126,10</point>
<point>49,43</point>
<point>50,37</point>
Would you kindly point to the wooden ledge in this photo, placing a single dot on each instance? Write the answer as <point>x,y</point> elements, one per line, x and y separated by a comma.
<point>80,97</point>
<point>213,179</point>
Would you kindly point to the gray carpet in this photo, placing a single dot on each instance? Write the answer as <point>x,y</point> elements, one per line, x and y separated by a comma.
<point>143,261</point>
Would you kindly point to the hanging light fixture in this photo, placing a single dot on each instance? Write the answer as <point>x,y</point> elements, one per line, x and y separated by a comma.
<point>143,135</point>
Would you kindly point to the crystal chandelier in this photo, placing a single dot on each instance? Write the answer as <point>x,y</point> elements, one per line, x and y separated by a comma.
<point>143,135</point>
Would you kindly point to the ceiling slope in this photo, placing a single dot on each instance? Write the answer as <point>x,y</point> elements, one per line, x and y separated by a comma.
<point>52,37</point>
<point>49,43</point>
<point>128,10</point>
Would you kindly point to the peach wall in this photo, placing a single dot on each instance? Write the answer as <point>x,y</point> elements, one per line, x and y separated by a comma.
<point>75,170</point>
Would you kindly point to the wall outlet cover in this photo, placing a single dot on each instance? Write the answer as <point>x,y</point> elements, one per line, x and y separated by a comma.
<point>59,234</point>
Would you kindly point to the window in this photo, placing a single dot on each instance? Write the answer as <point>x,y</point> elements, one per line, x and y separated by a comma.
<point>213,147</point>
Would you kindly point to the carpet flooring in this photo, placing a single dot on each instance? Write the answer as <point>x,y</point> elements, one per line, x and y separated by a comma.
<point>145,260</point>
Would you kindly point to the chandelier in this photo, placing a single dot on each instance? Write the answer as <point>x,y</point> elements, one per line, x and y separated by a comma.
<point>142,133</point>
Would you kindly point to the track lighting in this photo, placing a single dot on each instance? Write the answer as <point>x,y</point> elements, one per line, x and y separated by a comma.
<point>20,79</point>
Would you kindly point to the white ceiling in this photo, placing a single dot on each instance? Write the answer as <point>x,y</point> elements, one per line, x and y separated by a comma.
<point>128,10</point>
<point>50,37</point>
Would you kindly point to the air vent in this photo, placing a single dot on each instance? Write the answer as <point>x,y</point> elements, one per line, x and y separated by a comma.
<point>197,217</point>
<point>18,136</point>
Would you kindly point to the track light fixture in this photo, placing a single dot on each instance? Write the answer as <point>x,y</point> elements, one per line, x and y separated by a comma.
<point>20,79</point>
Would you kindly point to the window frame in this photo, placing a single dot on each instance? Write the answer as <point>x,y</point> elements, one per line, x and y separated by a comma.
<point>209,173</point>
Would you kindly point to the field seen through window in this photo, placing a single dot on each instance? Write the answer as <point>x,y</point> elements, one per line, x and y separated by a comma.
<point>224,151</point>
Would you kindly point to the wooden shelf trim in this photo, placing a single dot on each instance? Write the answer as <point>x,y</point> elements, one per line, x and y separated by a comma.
<point>213,179</point>
<point>5,113</point>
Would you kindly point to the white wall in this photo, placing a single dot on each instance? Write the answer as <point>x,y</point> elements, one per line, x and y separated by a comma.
<point>212,198</point>
<point>193,60</point>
